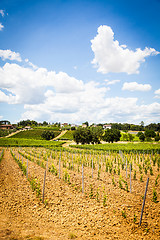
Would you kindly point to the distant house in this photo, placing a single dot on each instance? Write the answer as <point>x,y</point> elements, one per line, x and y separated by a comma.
<point>64,125</point>
<point>27,128</point>
<point>84,125</point>
<point>74,125</point>
<point>107,126</point>
<point>6,126</point>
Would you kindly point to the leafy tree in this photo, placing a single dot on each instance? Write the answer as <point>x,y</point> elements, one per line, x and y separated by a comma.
<point>82,135</point>
<point>157,137</point>
<point>141,136</point>
<point>149,133</point>
<point>96,133</point>
<point>88,135</point>
<point>130,137</point>
<point>47,135</point>
<point>112,135</point>
<point>45,123</point>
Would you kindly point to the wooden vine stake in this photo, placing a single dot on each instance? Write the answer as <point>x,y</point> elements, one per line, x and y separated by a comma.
<point>126,167</point>
<point>27,169</point>
<point>60,166</point>
<point>44,186</point>
<point>130,179</point>
<point>92,167</point>
<point>82,179</point>
<point>143,202</point>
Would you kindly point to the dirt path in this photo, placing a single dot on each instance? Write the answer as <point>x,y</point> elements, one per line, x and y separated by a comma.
<point>60,135</point>
<point>69,214</point>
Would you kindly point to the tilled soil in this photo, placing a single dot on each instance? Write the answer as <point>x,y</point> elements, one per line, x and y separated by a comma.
<point>67,214</point>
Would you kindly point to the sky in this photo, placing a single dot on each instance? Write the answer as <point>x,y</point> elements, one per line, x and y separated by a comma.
<point>75,61</point>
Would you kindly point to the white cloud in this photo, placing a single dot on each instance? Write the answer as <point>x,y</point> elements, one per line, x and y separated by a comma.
<point>58,97</point>
<point>2,12</point>
<point>134,86</point>
<point>111,82</point>
<point>10,55</point>
<point>1,27</point>
<point>110,56</point>
<point>157,92</point>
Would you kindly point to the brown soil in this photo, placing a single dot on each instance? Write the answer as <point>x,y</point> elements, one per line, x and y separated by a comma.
<point>68,213</point>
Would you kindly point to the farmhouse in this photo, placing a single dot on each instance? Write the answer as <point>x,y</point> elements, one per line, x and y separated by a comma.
<point>64,125</point>
<point>107,126</point>
<point>6,126</point>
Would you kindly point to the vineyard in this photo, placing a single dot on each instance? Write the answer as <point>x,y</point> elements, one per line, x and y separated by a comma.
<point>94,194</point>
<point>33,134</point>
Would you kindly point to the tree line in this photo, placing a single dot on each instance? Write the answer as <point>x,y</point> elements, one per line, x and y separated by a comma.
<point>95,134</point>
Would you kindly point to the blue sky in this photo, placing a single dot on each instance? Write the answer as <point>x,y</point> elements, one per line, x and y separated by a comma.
<point>77,61</point>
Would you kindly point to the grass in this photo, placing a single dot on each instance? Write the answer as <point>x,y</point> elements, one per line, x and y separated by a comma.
<point>68,135</point>
<point>28,142</point>
<point>33,134</point>
<point>126,147</point>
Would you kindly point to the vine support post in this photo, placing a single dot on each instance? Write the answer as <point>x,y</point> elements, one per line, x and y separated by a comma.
<point>130,179</point>
<point>144,202</point>
<point>82,179</point>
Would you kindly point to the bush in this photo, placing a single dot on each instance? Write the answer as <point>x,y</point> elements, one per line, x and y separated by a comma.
<point>48,135</point>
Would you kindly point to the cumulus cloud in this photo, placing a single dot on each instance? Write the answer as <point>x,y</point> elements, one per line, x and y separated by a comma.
<point>31,85</point>
<point>58,97</point>
<point>134,86</point>
<point>10,55</point>
<point>1,27</point>
<point>111,82</point>
<point>110,56</point>
<point>157,92</point>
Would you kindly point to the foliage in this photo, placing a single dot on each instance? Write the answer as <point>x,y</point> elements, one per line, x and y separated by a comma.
<point>116,147</point>
<point>48,135</point>
<point>68,135</point>
<point>28,122</point>
<point>157,137</point>
<point>154,199</point>
<point>1,155</point>
<point>88,135</point>
<point>82,135</point>
<point>149,133</point>
<point>96,133</point>
<point>6,132</point>
<point>141,136</point>
<point>112,135</point>
<point>128,137</point>
<point>32,134</point>
<point>28,142</point>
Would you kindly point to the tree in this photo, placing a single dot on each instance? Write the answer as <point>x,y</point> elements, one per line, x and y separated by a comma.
<point>149,133</point>
<point>141,136</point>
<point>82,135</point>
<point>112,135</point>
<point>157,137</point>
<point>130,137</point>
<point>88,135</point>
<point>96,133</point>
<point>45,123</point>
<point>47,135</point>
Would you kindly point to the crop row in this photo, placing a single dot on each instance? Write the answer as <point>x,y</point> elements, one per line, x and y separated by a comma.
<point>114,180</point>
<point>118,169</point>
<point>116,147</point>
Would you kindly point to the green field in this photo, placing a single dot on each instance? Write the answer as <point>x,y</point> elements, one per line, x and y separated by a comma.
<point>28,142</point>
<point>33,134</point>
<point>68,135</point>
<point>127,147</point>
